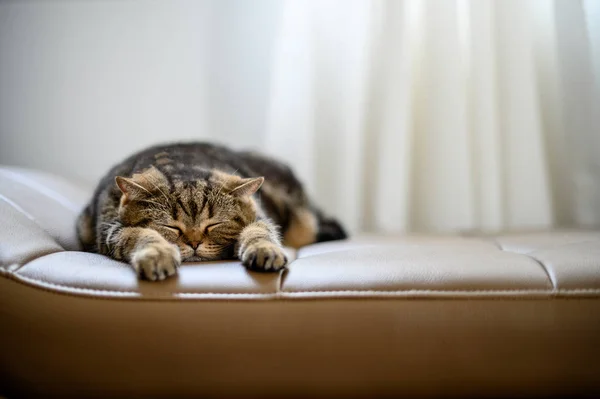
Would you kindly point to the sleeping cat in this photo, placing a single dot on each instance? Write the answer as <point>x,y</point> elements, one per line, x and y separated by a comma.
<point>199,201</point>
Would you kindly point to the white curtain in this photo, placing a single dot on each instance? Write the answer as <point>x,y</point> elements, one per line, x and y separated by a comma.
<point>398,115</point>
<point>441,115</point>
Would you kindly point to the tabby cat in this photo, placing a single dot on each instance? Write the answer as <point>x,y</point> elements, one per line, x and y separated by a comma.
<point>200,201</point>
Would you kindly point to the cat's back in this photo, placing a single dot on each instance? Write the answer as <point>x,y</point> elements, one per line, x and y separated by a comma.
<point>181,156</point>
<point>187,161</point>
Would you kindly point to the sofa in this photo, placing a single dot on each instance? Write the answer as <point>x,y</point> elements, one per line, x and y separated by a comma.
<point>511,315</point>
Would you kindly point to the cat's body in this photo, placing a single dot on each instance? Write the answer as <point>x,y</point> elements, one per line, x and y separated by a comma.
<point>199,201</point>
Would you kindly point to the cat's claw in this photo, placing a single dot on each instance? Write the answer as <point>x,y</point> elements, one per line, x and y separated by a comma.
<point>264,256</point>
<point>156,261</point>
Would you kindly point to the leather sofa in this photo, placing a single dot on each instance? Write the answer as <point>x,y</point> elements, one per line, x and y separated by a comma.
<point>374,316</point>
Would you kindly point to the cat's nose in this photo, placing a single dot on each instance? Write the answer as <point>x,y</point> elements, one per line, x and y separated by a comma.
<point>194,244</point>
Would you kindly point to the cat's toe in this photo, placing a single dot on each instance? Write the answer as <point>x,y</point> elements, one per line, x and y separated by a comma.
<point>156,262</point>
<point>264,257</point>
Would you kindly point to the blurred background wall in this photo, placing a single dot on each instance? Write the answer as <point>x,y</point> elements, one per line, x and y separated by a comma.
<point>85,83</point>
<point>399,115</point>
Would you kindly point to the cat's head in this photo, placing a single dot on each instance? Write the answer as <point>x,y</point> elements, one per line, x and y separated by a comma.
<point>202,217</point>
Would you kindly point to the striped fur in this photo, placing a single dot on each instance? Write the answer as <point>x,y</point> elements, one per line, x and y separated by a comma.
<point>198,201</point>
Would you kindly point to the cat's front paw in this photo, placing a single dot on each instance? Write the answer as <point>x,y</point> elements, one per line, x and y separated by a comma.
<point>264,255</point>
<point>156,261</point>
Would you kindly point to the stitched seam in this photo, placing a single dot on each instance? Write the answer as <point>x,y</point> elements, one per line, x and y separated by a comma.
<point>507,291</point>
<point>281,291</point>
<point>90,295</point>
<point>286,296</point>
<point>281,281</point>
<point>35,282</point>
<point>541,291</point>
<point>594,290</point>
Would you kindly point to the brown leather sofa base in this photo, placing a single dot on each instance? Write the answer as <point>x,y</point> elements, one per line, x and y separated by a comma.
<point>65,345</point>
<point>415,316</point>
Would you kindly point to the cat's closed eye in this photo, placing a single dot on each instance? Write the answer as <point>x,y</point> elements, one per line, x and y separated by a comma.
<point>175,229</point>
<point>211,226</point>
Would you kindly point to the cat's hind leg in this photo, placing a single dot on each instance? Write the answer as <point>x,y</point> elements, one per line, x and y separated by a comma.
<point>329,229</point>
<point>308,227</point>
<point>302,228</point>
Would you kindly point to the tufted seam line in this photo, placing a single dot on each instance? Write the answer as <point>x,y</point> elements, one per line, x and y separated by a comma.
<point>41,189</point>
<point>18,208</point>
<point>283,293</point>
<point>30,217</point>
<point>550,276</point>
<point>531,255</point>
<point>548,272</point>
<point>559,246</point>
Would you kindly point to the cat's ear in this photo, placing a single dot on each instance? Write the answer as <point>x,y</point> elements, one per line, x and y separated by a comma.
<point>141,184</point>
<point>130,188</point>
<point>248,187</point>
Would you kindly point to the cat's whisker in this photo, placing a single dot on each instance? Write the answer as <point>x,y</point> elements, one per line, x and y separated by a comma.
<point>220,191</point>
<point>162,206</point>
